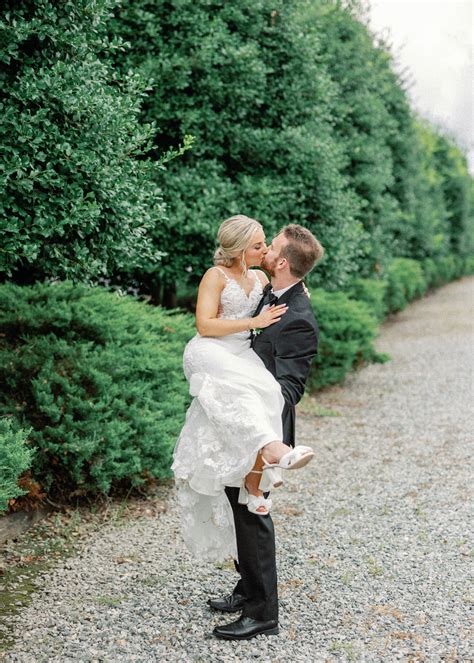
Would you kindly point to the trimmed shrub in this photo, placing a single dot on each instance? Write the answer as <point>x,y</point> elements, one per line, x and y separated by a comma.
<point>405,281</point>
<point>372,292</point>
<point>430,272</point>
<point>447,268</point>
<point>443,269</point>
<point>98,377</point>
<point>347,333</point>
<point>459,264</point>
<point>468,265</point>
<point>15,458</point>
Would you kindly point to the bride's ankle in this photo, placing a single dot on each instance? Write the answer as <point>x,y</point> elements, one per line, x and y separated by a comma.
<point>253,489</point>
<point>252,482</point>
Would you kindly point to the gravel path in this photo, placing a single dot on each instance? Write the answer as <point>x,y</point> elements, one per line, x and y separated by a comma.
<point>373,548</point>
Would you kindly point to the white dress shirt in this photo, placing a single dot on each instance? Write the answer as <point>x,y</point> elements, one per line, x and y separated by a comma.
<point>278,293</point>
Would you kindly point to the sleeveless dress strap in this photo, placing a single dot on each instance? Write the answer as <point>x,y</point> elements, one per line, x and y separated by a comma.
<point>222,272</point>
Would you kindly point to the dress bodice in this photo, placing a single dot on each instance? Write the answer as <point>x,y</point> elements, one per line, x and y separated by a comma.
<point>235,304</point>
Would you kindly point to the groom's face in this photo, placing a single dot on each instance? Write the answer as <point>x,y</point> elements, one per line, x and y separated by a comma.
<point>272,259</point>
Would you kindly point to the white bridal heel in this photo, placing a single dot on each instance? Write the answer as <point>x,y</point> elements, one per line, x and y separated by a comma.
<point>293,460</point>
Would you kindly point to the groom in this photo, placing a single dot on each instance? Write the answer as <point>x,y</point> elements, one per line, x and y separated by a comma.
<point>286,348</point>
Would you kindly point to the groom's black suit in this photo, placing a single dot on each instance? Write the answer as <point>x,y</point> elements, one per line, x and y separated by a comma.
<point>286,348</point>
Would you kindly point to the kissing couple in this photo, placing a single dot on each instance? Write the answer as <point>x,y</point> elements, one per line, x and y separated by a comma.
<point>247,367</point>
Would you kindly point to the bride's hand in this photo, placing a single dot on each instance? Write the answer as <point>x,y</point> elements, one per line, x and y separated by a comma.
<point>306,291</point>
<point>269,317</point>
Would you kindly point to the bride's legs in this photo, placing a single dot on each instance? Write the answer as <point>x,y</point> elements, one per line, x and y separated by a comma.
<point>273,452</point>
<point>252,480</point>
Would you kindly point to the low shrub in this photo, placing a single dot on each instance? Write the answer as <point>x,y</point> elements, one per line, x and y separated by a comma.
<point>443,269</point>
<point>372,292</point>
<point>405,281</point>
<point>430,272</point>
<point>15,458</point>
<point>98,377</point>
<point>447,268</point>
<point>468,268</point>
<point>347,329</point>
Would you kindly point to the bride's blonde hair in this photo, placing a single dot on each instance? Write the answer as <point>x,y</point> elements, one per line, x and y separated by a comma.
<point>234,237</point>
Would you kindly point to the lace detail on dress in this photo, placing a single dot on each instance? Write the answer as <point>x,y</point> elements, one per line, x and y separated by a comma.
<point>235,304</point>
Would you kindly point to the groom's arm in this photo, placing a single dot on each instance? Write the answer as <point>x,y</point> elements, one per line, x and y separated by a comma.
<point>295,347</point>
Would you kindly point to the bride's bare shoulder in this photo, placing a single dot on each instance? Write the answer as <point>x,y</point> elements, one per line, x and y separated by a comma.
<point>213,277</point>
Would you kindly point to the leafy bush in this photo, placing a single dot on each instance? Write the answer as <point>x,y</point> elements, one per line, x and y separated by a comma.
<point>99,379</point>
<point>405,281</point>
<point>347,333</point>
<point>15,458</point>
<point>430,272</point>
<point>446,267</point>
<point>77,195</point>
<point>459,265</point>
<point>468,265</point>
<point>372,292</point>
<point>441,270</point>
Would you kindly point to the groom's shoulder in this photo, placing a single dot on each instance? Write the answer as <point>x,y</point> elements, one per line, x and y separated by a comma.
<point>299,319</point>
<point>300,307</point>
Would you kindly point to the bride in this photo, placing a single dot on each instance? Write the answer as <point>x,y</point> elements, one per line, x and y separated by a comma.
<point>233,426</point>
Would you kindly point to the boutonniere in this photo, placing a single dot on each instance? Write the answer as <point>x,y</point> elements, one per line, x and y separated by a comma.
<point>257,331</point>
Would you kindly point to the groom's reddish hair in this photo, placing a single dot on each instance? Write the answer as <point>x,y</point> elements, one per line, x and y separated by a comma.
<point>302,251</point>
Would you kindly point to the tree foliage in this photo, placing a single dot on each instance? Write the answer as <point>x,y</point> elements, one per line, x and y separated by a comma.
<point>245,80</point>
<point>298,116</point>
<point>78,196</point>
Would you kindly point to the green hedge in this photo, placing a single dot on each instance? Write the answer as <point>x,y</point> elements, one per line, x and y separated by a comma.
<point>15,458</point>
<point>98,377</point>
<point>347,333</point>
<point>405,281</point>
<point>468,265</point>
<point>441,270</point>
<point>371,291</point>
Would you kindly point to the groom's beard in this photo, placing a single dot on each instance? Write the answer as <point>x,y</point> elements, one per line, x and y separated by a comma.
<point>269,266</point>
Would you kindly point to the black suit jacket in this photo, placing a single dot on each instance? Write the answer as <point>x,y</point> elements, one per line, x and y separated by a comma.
<point>287,348</point>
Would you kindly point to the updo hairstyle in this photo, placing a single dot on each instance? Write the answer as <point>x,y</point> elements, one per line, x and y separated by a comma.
<point>234,237</point>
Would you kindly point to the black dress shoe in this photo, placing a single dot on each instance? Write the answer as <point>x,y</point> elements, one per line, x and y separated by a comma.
<point>245,628</point>
<point>231,603</point>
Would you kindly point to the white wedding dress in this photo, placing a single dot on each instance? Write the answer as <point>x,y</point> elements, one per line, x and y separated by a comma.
<point>235,411</point>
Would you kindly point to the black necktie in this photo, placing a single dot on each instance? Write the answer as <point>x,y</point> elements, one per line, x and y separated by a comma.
<point>269,296</point>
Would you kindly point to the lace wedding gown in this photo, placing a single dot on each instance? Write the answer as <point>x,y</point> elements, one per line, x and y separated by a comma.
<point>235,411</point>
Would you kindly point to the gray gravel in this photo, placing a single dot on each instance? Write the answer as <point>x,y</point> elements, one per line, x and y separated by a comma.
<point>373,541</point>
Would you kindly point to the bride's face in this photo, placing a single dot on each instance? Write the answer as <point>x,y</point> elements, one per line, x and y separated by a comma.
<point>256,251</point>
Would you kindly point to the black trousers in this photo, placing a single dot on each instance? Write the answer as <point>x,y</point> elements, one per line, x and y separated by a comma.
<point>257,561</point>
